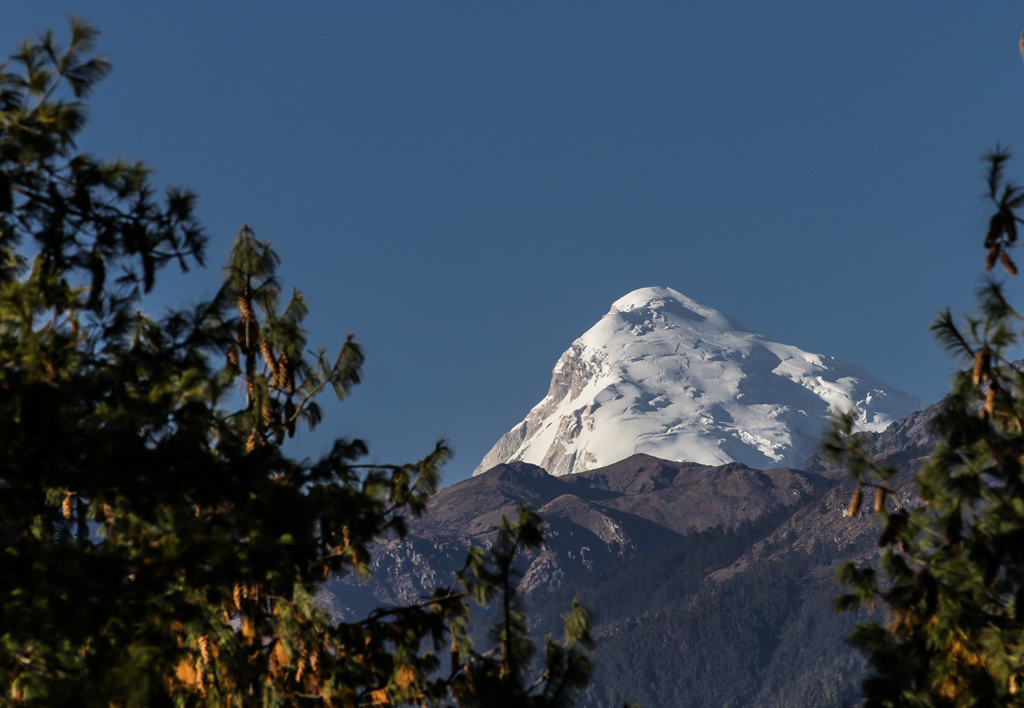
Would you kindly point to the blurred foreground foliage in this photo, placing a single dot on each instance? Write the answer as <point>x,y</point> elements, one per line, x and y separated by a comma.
<point>952,571</point>
<point>159,548</point>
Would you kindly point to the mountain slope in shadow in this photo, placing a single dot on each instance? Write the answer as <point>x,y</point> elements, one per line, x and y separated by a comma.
<point>710,586</point>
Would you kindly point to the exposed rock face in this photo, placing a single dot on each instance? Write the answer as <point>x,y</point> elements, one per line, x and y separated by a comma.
<point>710,585</point>
<point>903,444</point>
<point>658,550</point>
<point>663,375</point>
<point>592,520</point>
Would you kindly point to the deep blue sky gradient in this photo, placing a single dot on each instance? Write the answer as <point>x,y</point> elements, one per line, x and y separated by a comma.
<point>468,186</point>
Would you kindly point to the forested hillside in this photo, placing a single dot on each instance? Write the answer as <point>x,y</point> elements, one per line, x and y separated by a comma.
<point>767,636</point>
<point>710,586</point>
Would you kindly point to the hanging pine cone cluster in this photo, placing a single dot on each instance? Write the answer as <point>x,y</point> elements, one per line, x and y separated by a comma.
<point>254,441</point>
<point>285,376</point>
<point>248,342</point>
<point>268,356</point>
<point>248,326</point>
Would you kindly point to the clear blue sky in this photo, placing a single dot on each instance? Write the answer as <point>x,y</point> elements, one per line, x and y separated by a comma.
<point>468,186</point>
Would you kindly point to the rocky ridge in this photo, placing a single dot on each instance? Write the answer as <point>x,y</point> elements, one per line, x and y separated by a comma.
<point>592,520</point>
<point>711,585</point>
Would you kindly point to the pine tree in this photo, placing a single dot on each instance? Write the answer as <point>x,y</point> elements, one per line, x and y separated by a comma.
<point>159,545</point>
<point>952,583</point>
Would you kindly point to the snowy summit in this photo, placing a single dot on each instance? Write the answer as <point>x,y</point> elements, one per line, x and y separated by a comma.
<point>664,375</point>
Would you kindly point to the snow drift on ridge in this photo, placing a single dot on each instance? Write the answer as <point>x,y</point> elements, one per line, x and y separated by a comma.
<point>664,375</point>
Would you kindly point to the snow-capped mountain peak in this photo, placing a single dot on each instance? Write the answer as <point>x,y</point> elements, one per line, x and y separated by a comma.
<point>664,375</point>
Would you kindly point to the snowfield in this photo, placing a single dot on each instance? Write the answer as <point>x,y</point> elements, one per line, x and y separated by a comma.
<point>667,376</point>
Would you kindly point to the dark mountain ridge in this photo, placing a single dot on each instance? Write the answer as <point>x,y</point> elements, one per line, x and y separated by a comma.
<point>710,586</point>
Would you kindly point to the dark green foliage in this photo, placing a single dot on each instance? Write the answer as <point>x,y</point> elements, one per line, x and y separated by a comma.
<point>952,575</point>
<point>197,587</point>
<point>499,679</point>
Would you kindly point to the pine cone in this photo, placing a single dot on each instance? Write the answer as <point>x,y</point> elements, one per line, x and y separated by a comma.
<point>1008,263</point>
<point>880,496</point>
<point>201,676</point>
<point>982,362</point>
<point>281,371</point>
<point>51,370</point>
<point>284,371</point>
<point>245,306</point>
<point>993,256</point>
<point>204,648</point>
<point>268,356</point>
<point>65,507</point>
<point>855,502</point>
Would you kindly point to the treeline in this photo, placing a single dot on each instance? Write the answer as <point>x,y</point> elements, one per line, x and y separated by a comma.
<point>767,636</point>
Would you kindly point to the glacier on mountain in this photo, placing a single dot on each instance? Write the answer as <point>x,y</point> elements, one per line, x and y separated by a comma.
<point>664,375</point>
